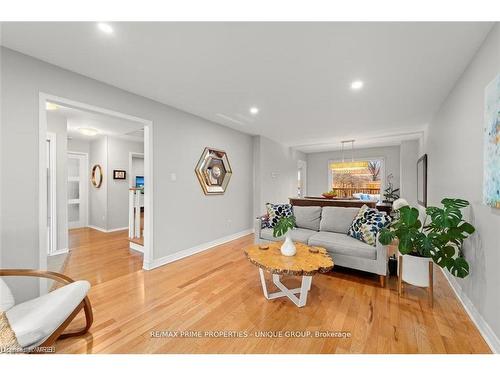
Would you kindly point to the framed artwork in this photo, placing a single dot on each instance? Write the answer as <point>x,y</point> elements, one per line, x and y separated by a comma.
<point>491,168</point>
<point>213,171</point>
<point>119,174</point>
<point>422,181</point>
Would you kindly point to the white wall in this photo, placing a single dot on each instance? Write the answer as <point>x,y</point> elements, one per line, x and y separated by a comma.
<point>118,158</point>
<point>317,166</point>
<point>181,210</point>
<point>409,157</point>
<point>57,124</point>
<point>275,172</point>
<point>454,145</point>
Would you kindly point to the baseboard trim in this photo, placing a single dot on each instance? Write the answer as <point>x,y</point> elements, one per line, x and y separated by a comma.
<point>59,252</point>
<point>137,247</point>
<point>484,329</point>
<point>106,230</point>
<point>196,249</point>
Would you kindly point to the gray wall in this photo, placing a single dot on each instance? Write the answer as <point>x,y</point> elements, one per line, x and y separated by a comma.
<point>108,205</point>
<point>455,149</point>
<point>317,166</point>
<point>78,145</point>
<point>408,177</point>
<point>275,173</point>
<point>118,158</point>
<point>98,197</point>
<point>181,210</point>
<point>57,124</point>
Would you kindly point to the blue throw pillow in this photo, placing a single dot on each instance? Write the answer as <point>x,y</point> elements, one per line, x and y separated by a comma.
<point>276,212</point>
<point>367,223</point>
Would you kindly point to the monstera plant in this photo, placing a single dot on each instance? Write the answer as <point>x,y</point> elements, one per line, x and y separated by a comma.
<point>441,239</point>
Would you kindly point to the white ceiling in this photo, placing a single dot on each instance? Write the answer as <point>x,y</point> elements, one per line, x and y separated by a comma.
<point>298,74</point>
<point>104,124</point>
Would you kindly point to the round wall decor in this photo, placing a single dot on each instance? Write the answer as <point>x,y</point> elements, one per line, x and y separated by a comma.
<point>96,175</point>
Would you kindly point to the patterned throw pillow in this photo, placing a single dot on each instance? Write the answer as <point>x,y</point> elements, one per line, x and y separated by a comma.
<point>367,224</point>
<point>276,212</point>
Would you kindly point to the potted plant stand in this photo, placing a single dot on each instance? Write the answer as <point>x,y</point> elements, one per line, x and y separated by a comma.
<point>418,271</point>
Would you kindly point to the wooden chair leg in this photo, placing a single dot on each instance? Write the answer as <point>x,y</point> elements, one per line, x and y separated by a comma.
<point>58,334</point>
<point>89,318</point>
<point>400,275</point>
<point>382,281</point>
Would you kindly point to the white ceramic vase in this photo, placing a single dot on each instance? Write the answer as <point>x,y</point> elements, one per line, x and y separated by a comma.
<point>416,270</point>
<point>288,248</point>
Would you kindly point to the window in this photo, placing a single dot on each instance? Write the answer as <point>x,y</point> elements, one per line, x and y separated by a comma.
<point>353,178</point>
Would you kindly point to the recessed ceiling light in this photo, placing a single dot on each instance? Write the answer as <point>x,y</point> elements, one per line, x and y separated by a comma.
<point>51,106</point>
<point>105,28</point>
<point>88,131</point>
<point>254,110</point>
<point>357,85</point>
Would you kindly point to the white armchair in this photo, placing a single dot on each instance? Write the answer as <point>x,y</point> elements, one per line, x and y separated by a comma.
<point>41,321</point>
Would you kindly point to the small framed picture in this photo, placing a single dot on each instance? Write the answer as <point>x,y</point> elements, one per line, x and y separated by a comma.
<point>119,174</point>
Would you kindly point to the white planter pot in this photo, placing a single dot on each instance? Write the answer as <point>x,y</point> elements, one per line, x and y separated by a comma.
<point>288,248</point>
<point>416,270</point>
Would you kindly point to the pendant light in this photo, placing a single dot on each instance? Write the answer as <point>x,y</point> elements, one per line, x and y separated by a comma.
<point>349,167</point>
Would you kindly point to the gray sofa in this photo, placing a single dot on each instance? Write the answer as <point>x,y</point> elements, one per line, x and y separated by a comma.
<point>327,227</point>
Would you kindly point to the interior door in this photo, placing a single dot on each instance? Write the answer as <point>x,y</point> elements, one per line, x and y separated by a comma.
<point>77,190</point>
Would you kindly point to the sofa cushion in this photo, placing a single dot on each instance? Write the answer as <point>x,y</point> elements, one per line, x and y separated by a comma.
<point>276,211</point>
<point>337,219</point>
<point>367,224</point>
<point>6,297</point>
<point>339,243</point>
<point>35,320</point>
<point>296,234</point>
<point>307,217</point>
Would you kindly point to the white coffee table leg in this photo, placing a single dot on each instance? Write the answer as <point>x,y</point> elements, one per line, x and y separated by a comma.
<point>285,292</point>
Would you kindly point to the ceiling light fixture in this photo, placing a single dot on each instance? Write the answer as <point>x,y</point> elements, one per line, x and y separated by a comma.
<point>350,167</point>
<point>88,131</point>
<point>254,110</point>
<point>357,85</point>
<point>51,106</point>
<point>105,28</point>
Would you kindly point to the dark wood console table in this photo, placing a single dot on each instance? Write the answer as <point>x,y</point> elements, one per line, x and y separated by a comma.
<point>335,202</point>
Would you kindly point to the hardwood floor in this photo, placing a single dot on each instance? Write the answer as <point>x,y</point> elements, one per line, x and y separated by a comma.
<point>219,290</point>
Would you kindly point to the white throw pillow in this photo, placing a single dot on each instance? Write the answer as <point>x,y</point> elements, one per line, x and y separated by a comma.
<point>6,297</point>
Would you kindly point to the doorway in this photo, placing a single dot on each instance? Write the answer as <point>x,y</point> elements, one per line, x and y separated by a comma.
<point>77,190</point>
<point>301,178</point>
<point>51,193</point>
<point>78,176</point>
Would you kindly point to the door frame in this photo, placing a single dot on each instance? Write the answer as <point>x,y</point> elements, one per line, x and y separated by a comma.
<point>86,184</point>
<point>302,165</point>
<point>52,167</point>
<point>42,188</point>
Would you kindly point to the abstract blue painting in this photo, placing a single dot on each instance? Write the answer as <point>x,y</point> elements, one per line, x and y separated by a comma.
<point>491,179</point>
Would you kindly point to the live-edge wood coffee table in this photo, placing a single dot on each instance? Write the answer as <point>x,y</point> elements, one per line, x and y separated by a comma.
<point>307,262</point>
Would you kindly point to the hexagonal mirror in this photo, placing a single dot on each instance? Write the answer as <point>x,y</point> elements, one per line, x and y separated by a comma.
<point>213,171</point>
